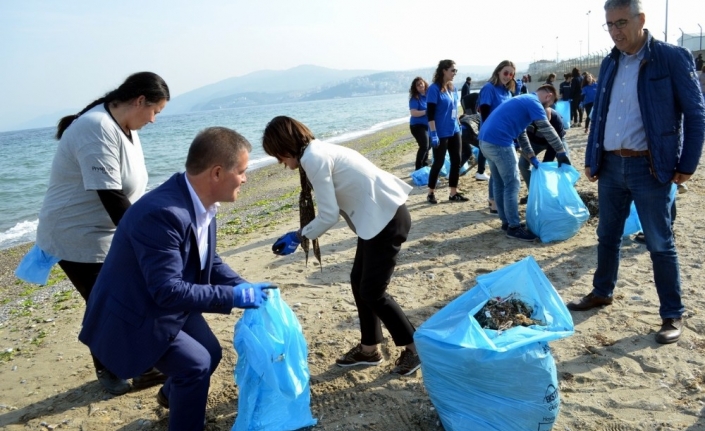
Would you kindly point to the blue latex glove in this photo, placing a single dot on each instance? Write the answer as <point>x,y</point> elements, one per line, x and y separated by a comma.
<point>434,138</point>
<point>534,162</point>
<point>286,244</point>
<point>562,158</point>
<point>250,295</point>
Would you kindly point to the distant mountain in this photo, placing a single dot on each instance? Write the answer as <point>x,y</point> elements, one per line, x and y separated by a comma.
<point>292,81</point>
<point>307,83</point>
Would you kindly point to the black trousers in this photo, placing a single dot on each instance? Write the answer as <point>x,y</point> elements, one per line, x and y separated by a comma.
<point>372,270</point>
<point>452,146</point>
<point>420,133</point>
<point>588,110</point>
<point>576,114</point>
<point>83,277</point>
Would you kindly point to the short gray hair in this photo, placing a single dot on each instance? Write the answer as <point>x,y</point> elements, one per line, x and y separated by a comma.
<point>215,146</point>
<point>634,6</point>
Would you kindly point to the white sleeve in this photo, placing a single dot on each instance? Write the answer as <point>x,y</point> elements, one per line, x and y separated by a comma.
<point>320,173</point>
<point>99,158</point>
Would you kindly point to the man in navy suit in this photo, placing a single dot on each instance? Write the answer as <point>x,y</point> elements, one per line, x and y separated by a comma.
<point>162,273</point>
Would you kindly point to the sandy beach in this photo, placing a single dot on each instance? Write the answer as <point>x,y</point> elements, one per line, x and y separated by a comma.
<point>612,374</point>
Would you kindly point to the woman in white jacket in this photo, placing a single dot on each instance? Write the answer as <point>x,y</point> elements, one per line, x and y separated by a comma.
<point>372,202</point>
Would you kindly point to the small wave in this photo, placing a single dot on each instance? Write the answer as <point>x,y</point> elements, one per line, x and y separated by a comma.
<point>356,134</point>
<point>21,233</point>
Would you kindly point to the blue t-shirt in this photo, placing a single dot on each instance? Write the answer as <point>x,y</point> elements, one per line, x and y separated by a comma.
<point>510,119</point>
<point>589,93</point>
<point>446,117</point>
<point>493,95</point>
<point>420,105</point>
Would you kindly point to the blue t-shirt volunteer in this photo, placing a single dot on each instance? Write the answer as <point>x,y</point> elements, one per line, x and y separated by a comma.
<point>510,119</point>
<point>446,117</point>
<point>589,93</point>
<point>420,105</point>
<point>493,95</point>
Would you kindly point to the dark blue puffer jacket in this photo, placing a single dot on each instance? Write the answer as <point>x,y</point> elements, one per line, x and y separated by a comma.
<point>671,105</point>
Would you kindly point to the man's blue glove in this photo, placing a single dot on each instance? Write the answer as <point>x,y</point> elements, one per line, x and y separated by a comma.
<point>286,244</point>
<point>534,162</point>
<point>250,295</point>
<point>434,138</point>
<point>562,159</point>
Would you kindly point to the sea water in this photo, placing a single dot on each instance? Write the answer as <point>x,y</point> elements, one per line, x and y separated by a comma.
<point>26,155</point>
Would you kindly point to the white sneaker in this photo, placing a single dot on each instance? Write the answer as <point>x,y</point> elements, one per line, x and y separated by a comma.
<point>482,177</point>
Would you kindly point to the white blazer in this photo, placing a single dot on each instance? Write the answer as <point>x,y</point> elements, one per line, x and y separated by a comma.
<point>346,183</point>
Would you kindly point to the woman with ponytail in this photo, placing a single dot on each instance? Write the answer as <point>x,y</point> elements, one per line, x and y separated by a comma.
<point>98,171</point>
<point>372,202</point>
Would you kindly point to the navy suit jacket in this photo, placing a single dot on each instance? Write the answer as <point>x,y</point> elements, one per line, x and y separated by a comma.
<point>152,280</point>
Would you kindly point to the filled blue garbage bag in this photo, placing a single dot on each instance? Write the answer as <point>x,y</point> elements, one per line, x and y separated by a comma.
<point>633,225</point>
<point>272,369</point>
<point>420,176</point>
<point>484,379</point>
<point>554,210</point>
<point>35,266</point>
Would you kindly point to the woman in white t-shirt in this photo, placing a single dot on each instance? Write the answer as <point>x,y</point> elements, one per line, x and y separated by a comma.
<point>98,171</point>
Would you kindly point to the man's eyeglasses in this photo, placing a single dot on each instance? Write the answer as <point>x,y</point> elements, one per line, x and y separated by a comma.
<point>508,73</point>
<point>619,24</point>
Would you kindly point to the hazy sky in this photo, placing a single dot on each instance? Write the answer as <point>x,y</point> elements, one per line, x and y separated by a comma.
<point>63,54</point>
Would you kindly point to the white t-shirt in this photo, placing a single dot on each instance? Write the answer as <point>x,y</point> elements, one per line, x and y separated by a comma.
<point>93,154</point>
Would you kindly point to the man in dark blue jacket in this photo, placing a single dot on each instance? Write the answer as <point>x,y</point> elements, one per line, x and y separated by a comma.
<point>162,273</point>
<point>647,133</point>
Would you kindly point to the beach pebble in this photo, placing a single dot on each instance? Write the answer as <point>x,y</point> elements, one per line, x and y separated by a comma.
<point>431,276</point>
<point>297,304</point>
<point>14,368</point>
<point>636,298</point>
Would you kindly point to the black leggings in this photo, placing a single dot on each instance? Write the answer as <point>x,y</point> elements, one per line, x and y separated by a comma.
<point>420,133</point>
<point>588,109</point>
<point>452,145</point>
<point>83,277</point>
<point>576,115</point>
<point>372,270</point>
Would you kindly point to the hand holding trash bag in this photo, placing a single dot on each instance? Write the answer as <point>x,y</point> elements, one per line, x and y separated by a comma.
<point>286,244</point>
<point>562,159</point>
<point>534,162</point>
<point>250,295</point>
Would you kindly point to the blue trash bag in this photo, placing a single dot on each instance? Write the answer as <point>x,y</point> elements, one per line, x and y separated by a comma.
<point>35,266</point>
<point>633,225</point>
<point>563,108</point>
<point>420,176</point>
<point>272,369</point>
<point>554,210</point>
<point>484,379</point>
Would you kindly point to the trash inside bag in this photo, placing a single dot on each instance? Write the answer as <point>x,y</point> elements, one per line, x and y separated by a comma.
<point>272,369</point>
<point>486,379</point>
<point>555,211</point>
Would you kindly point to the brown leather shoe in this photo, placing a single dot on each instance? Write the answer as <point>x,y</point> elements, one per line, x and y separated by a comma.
<point>670,332</point>
<point>588,302</point>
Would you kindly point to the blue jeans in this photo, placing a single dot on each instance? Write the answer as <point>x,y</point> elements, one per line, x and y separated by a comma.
<point>505,181</point>
<point>622,180</point>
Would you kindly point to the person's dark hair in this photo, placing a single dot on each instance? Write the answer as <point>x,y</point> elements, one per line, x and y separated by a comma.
<point>550,89</point>
<point>147,84</point>
<point>552,76</point>
<point>494,79</point>
<point>589,79</point>
<point>413,92</point>
<point>468,79</point>
<point>634,6</point>
<point>285,137</point>
<point>575,72</point>
<point>438,74</point>
<point>215,146</point>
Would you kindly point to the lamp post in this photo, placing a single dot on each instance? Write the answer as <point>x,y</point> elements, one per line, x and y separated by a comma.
<point>588,39</point>
<point>682,36</point>
<point>665,33</point>
<point>556,49</point>
<point>701,37</point>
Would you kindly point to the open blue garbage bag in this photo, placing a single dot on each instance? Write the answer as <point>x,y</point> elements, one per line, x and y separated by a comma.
<point>35,266</point>
<point>272,369</point>
<point>554,210</point>
<point>633,225</point>
<point>483,379</point>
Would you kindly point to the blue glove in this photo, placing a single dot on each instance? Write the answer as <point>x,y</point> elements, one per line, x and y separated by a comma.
<point>434,138</point>
<point>286,244</point>
<point>562,159</point>
<point>534,162</point>
<point>250,295</point>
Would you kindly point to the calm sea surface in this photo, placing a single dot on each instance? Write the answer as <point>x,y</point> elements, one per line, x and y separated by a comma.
<point>26,155</point>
